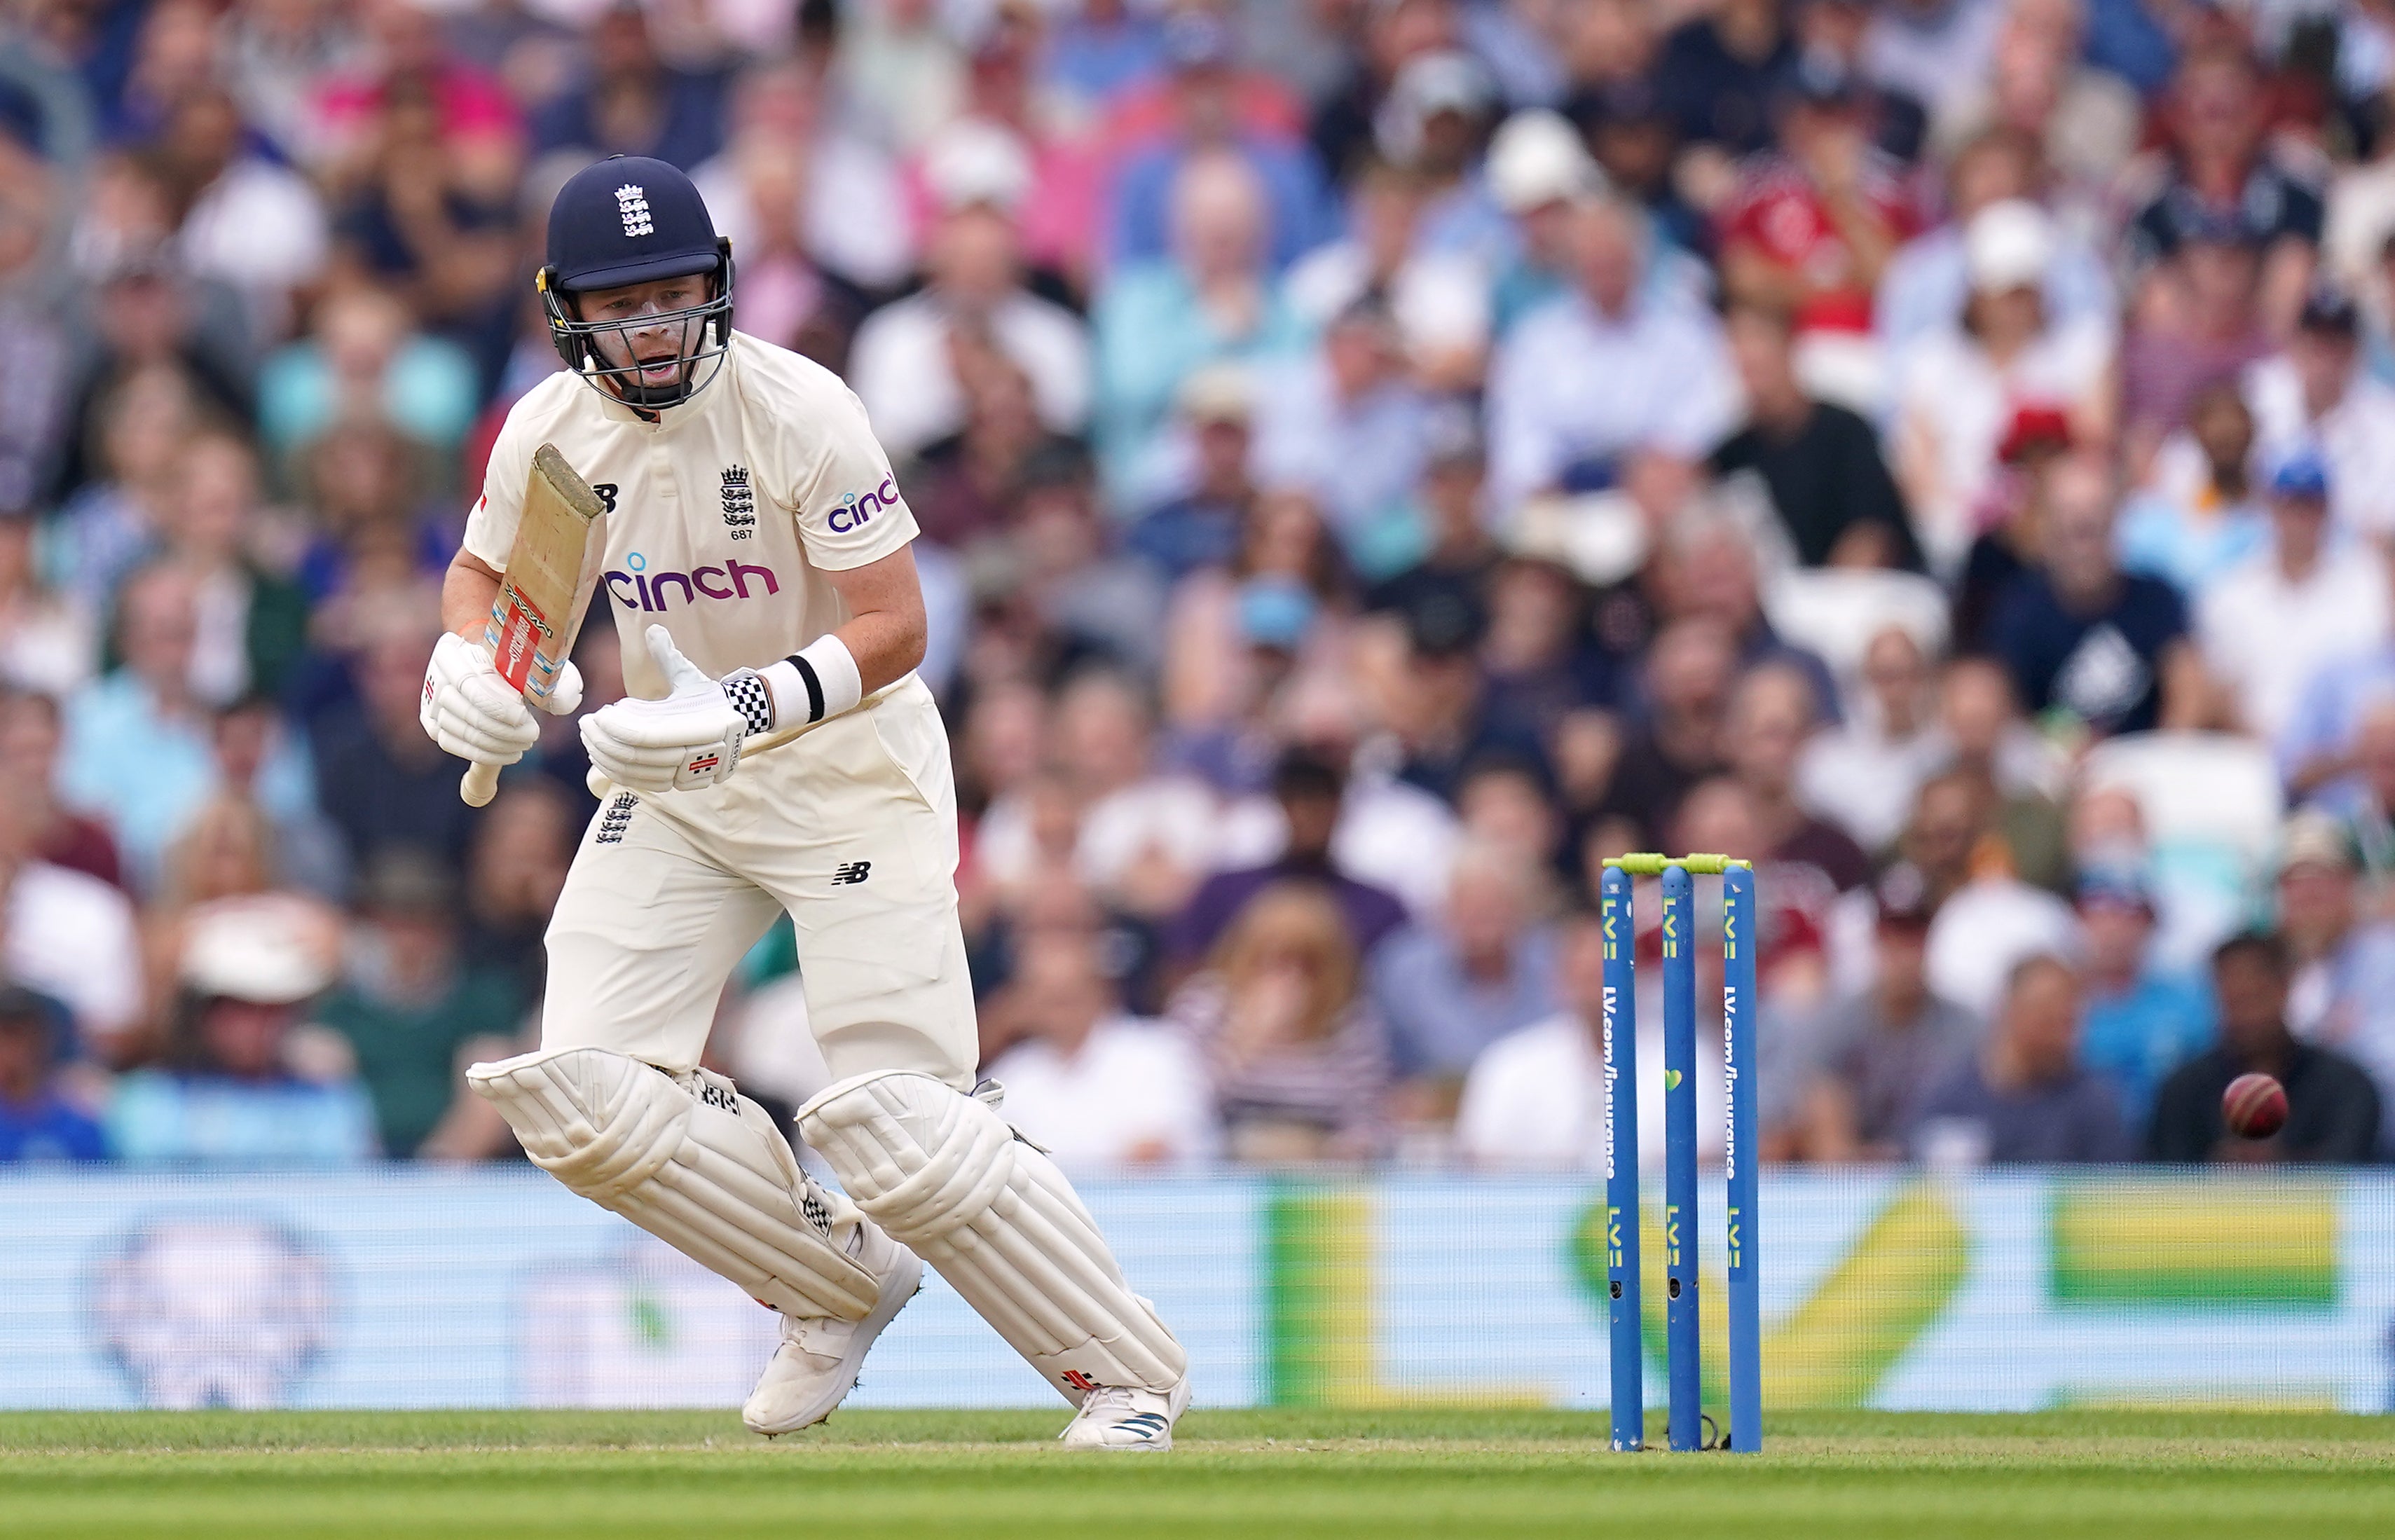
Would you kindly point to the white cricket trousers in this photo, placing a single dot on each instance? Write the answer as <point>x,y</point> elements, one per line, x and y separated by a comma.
<point>851,828</point>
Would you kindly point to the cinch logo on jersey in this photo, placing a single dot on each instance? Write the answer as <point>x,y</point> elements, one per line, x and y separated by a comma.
<point>855,512</point>
<point>653,591</point>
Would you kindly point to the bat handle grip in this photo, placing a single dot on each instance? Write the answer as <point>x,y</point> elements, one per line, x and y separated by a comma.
<point>480,784</point>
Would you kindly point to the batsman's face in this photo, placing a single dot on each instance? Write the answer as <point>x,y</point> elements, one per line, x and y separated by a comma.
<point>638,325</point>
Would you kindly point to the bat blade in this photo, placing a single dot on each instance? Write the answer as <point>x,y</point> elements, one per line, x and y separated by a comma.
<point>532,621</point>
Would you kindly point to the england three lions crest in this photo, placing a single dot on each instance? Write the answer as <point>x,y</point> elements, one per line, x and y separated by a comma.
<point>740,504</point>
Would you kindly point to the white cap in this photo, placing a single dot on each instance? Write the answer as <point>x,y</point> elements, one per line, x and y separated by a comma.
<point>1536,158</point>
<point>1217,393</point>
<point>973,162</point>
<point>2008,246</point>
<point>246,951</point>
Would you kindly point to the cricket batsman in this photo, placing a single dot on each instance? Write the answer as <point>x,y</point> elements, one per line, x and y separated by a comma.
<point>756,550</point>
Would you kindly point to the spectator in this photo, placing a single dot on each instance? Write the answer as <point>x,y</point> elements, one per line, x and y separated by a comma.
<point>1927,282</point>
<point>2197,323</point>
<point>2317,599</point>
<point>404,55</point>
<point>1988,918</point>
<point>629,101</point>
<point>1862,775</point>
<point>67,934</point>
<point>2107,652</point>
<point>1539,170</point>
<point>110,525</point>
<point>1201,527</point>
<point>1541,665</point>
<point>47,640</point>
<point>2342,987</point>
<point>366,358</point>
<point>1295,1053</point>
<point>903,368</point>
<point>1679,737</point>
<point>1346,426</point>
<point>2318,752</point>
<point>1456,557</point>
<point>1101,48</point>
<point>435,219</point>
<point>798,172</point>
<point>2085,120</point>
<point>242,1080</point>
<point>1811,228</point>
<point>1535,1100</point>
<point>1209,120</point>
<point>253,624</point>
<point>1096,1089</point>
<point>514,873</point>
<point>1875,1055</point>
<point>2369,804</point>
<point>30,735</point>
<point>1442,709</point>
<point>31,421</point>
<point>2317,396</point>
<point>384,784</point>
<point>2025,1098</point>
<point>2199,515</point>
<point>2143,1018</point>
<point>1637,146</point>
<point>250,222</point>
<point>1772,716</point>
<point>1609,369</point>
<point>1959,389</point>
<point>413,1012</point>
<point>904,67</point>
<point>1143,836</point>
<point>1721,74</point>
<point>138,748</point>
<point>2006,766</point>
<point>2219,168</point>
<point>1308,788</point>
<point>1158,321</point>
<point>1932,52</point>
<point>1830,36</point>
<point>1450,987</point>
<point>39,1123</point>
<point>1819,460</point>
<point>2334,1111</point>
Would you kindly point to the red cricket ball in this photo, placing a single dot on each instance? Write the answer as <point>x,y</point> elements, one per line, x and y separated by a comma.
<point>2255,1106</point>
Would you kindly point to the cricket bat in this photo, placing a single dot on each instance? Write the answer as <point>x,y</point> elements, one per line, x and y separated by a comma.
<point>532,621</point>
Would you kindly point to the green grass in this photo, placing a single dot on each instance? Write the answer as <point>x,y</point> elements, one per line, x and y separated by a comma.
<point>459,1475</point>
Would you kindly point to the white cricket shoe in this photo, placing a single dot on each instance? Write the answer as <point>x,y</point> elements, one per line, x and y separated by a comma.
<point>1122,1417</point>
<point>816,1364</point>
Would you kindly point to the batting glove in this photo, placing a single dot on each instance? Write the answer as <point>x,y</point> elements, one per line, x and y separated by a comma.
<point>690,739</point>
<point>470,710</point>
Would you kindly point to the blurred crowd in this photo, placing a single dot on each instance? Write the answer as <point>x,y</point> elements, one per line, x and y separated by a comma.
<point>1376,459</point>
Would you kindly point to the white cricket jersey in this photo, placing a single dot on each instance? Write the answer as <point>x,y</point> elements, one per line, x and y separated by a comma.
<point>723,515</point>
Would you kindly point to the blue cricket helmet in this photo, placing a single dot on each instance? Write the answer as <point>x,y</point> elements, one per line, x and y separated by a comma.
<point>632,220</point>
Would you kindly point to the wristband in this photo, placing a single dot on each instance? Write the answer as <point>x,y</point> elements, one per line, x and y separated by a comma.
<point>817,681</point>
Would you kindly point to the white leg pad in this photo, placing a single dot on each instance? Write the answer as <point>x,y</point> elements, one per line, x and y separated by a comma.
<point>692,1161</point>
<point>945,1176</point>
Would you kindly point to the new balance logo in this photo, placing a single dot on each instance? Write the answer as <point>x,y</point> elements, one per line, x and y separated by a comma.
<point>852,872</point>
